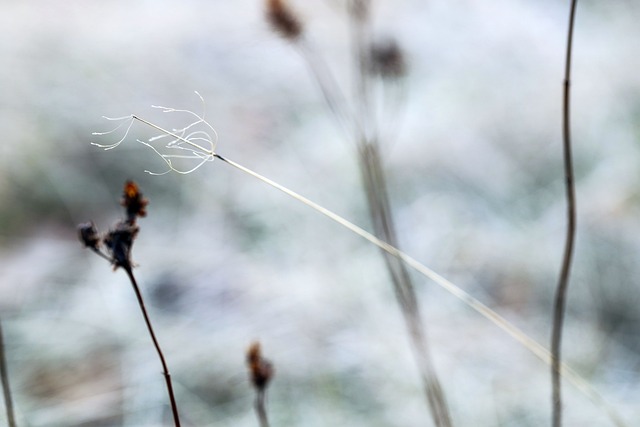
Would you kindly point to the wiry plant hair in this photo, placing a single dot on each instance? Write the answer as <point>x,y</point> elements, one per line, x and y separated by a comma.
<point>198,139</point>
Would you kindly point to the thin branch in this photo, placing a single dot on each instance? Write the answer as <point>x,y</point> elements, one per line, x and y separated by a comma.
<point>563,282</point>
<point>4,373</point>
<point>165,369</point>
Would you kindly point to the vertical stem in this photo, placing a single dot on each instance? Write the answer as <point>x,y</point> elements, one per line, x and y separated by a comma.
<point>383,224</point>
<point>261,410</point>
<point>563,282</point>
<point>165,369</point>
<point>4,373</point>
<point>381,213</point>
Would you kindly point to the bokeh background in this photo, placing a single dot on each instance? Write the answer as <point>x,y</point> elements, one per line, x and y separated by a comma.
<point>473,155</point>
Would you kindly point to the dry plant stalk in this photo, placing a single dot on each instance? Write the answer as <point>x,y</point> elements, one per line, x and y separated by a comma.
<point>560,301</point>
<point>6,389</point>
<point>261,372</point>
<point>203,150</point>
<point>118,243</point>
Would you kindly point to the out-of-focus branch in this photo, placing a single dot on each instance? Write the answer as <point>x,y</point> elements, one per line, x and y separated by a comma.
<point>4,374</point>
<point>380,211</point>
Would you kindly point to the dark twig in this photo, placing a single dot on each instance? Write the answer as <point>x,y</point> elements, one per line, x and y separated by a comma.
<point>165,369</point>
<point>4,373</point>
<point>563,282</point>
<point>118,243</point>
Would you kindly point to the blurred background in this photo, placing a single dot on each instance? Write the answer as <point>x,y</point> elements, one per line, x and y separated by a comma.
<point>473,154</point>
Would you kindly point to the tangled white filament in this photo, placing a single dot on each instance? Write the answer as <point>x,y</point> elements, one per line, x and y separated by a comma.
<point>198,143</point>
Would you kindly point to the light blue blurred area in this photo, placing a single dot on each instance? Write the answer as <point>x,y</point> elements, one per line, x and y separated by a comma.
<point>473,155</point>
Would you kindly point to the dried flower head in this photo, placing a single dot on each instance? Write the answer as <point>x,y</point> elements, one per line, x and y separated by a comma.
<point>119,242</point>
<point>283,20</point>
<point>387,60</point>
<point>88,234</point>
<point>260,369</point>
<point>133,202</point>
<point>115,245</point>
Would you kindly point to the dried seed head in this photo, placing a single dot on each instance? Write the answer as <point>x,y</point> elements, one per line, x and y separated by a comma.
<point>387,60</point>
<point>260,369</point>
<point>133,202</point>
<point>119,242</point>
<point>283,20</point>
<point>88,234</point>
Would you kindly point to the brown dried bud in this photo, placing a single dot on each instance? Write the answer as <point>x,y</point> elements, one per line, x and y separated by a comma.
<point>283,20</point>
<point>133,202</point>
<point>387,60</point>
<point>88,235</point>
<point>260,369</point>
<point>119,242</point>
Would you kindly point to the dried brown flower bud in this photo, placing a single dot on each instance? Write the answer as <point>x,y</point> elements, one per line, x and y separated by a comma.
<point>88,235</point>
<point>283,19</point>
<point>119,242</point>
<point>387,60</point>
<point>133,202</point>
<point>260,369</point>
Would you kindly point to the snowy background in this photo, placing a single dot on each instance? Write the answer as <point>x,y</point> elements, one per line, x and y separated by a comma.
<point>473,155</point>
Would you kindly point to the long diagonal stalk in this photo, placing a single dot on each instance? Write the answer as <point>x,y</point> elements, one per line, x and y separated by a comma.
<point>4,374</point>
<point>563,282</point>
<point>165,369</point>
<point>206,155</point>
<point>510,329</point>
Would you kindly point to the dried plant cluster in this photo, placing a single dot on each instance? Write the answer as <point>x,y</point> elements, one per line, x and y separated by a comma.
<point>115,245</point>
<point>375,63</point>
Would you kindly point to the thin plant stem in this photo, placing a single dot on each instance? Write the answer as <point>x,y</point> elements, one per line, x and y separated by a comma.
<point>404,290</point>
<point>4,373</point>
<point>381,213</point>
<point>563,282</point>
<point>165,369</point>
<point>330,89</point>
<point>261,408</point>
